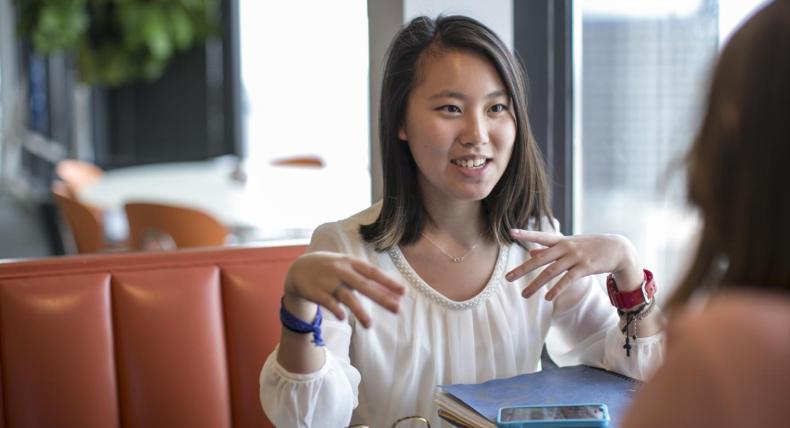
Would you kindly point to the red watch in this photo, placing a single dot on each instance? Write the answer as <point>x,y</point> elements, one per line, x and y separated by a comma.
<point>630,299</point>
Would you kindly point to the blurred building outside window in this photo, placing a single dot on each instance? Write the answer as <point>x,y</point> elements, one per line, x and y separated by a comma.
<point>641,72</point>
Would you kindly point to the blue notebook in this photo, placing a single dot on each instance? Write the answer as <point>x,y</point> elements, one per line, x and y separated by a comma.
<point>563,385</point>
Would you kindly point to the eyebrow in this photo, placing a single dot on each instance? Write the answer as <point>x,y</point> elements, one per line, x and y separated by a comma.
<point>460,96</point>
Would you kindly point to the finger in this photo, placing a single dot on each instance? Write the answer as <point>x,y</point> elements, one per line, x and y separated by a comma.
<point>543,238</point>
<point>376,274</point>
<point>328,301</point>
<point>535,251</point>
<point>544,257</point>
<point>375,291</point>
<point>346,296</point>
<point>551,271</point>
<point>566,279</point>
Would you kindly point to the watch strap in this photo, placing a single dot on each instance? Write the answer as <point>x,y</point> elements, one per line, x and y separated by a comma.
<point>630,299</point>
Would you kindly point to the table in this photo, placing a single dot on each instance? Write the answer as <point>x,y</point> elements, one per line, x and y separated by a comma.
<point>273,202</point>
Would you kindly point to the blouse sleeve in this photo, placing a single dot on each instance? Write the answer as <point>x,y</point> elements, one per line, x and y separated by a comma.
<point>328,396</point>
<point>586,331</point>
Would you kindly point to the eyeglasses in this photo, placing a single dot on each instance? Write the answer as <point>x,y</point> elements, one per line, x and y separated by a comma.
<point>395,424</point>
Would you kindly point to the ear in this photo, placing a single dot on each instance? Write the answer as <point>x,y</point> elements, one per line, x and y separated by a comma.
<point>402,133</point>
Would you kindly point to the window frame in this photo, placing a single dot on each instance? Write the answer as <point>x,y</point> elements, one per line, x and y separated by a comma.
<point>543,39</point>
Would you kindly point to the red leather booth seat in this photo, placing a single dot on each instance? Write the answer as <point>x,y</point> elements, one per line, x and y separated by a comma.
<point>168,339</point>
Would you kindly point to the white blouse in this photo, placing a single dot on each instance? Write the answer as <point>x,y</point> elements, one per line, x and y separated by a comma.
<point>375,376</point>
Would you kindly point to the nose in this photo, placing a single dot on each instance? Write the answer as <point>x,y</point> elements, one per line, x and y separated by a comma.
<point>475,131</point>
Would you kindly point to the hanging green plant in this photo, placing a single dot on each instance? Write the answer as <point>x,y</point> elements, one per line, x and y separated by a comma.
<point>117,41</point>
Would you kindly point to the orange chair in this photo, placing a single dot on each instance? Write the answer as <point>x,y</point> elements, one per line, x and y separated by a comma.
<point>157,226</point>
<point>77,174</point>
<point>310,161</point>
<point>84,221</point>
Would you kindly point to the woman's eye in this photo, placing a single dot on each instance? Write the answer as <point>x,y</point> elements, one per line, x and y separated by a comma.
<point>498,108</point>
<point>450,108</point>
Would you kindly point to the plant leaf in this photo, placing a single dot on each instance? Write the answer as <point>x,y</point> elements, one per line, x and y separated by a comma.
<point>181,28</point>
<point>60,26</point>
<point>155,32</point>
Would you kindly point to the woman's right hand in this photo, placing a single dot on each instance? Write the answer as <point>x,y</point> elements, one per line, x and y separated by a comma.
<point>329,279</point>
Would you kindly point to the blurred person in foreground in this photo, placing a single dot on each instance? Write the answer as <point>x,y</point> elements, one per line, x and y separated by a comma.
<point>728,360</point>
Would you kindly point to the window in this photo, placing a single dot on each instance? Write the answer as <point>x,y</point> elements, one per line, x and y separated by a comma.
<point>304,73</point>
<point>641,79</point>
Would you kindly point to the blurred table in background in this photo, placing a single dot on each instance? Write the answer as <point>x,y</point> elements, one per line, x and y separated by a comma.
<point>261,203</point>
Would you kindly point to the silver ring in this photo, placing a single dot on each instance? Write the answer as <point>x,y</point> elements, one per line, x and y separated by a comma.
<point>337,290</point>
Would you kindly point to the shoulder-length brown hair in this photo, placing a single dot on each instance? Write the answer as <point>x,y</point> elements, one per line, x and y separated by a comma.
<point>521,195</point>
<point>739,164</point>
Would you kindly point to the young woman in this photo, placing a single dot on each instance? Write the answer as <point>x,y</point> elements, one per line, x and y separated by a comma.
<point>459,273</point>
<point>728,364</point>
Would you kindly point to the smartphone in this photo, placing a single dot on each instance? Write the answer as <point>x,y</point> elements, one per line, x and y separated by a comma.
<point>554,416</point>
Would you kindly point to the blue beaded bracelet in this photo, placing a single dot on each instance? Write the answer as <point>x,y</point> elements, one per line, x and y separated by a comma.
<point>296,325</point>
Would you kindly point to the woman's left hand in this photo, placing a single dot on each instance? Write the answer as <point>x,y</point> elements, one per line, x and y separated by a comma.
<point>577,256</point>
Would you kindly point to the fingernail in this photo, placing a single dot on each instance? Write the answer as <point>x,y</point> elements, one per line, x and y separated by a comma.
<point>510,276</point>
<point>548,297</point>
<point>515,231</point>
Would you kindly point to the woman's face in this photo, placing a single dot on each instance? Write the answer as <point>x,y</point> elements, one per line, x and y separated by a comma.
<point>459,126</point>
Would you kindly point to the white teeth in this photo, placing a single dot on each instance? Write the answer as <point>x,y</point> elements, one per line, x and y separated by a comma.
<point>469,163</point>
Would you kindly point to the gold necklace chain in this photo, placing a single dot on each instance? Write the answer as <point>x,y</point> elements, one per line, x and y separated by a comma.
<point>454,259</point>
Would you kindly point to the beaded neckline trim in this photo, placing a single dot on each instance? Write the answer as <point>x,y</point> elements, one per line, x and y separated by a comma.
<point>420,285</point>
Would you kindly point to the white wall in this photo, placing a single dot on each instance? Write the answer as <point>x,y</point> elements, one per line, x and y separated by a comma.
<point>496,14</point>
<point>385,17</point>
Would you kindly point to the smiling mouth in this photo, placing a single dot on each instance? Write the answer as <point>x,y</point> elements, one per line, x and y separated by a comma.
<point>470,163</point>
